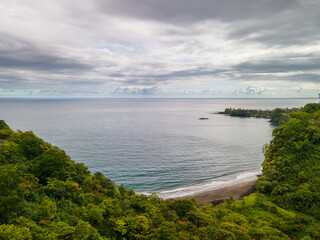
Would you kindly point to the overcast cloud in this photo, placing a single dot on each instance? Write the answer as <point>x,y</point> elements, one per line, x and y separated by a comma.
<point>203,48</point>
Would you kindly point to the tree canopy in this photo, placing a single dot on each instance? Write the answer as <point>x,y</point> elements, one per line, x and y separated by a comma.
<point>46,195</point>
<point>278,115</point>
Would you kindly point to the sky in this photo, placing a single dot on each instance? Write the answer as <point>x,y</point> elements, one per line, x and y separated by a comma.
<point>160,48</point>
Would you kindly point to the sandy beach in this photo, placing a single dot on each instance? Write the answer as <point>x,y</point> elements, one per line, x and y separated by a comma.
<point>217,196</point>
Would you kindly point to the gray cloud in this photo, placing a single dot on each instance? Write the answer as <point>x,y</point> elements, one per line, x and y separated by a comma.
<point>135,91</point>
<point>281,65</point>
<point>189,11</point>
<point>272,78</point>
<point>151,79</point>
<point>19,54</point>
<point>251,90</point>
<point>298,25</point>
<point>146,45</point>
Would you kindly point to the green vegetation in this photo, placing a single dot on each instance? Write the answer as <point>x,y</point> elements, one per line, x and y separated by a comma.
<point>291,170</point>
<point>46,195</point>
<point>278,116</point>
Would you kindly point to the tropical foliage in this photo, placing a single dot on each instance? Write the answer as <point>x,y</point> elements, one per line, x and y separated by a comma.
<point>277,116</point>
<point>46,195</point>
<point>291,170</point>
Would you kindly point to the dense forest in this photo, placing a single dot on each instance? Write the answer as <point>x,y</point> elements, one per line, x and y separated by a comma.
<point>46,195</point>
<point>278,116</point>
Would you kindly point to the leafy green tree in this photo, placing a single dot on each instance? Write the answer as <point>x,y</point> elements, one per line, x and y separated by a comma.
<point>183,206</point>
<point>31,146</point>
<point>12,232</point>
<point>10,153</point>
<point>11,191</point>
<point>5,131</point>
<point>84,230</point>
<point>46,210</point>
<point>52,163</point>
<point>293,161</point>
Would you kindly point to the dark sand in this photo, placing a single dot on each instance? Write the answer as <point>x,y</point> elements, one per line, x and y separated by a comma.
<point>217,196</point>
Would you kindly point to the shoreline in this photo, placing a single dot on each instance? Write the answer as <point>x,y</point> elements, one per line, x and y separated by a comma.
<point>217,196</point>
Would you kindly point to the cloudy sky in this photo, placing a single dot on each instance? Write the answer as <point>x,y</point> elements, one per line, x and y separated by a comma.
<point>159,48</point>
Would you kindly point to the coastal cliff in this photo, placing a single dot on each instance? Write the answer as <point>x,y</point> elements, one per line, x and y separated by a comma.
<point>46,195</point>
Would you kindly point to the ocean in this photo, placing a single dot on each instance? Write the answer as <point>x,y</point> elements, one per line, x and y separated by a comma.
<point>153,145</point>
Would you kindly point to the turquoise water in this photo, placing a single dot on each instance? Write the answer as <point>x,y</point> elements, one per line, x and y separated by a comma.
<point>153,145</point>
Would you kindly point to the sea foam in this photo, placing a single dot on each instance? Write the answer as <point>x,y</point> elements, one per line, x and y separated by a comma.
<point>215,184</point>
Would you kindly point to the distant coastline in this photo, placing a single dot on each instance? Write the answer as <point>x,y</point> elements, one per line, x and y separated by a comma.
<point>278,116</point>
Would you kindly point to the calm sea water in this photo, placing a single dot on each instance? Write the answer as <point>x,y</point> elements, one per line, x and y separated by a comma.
<point>153,145</point>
